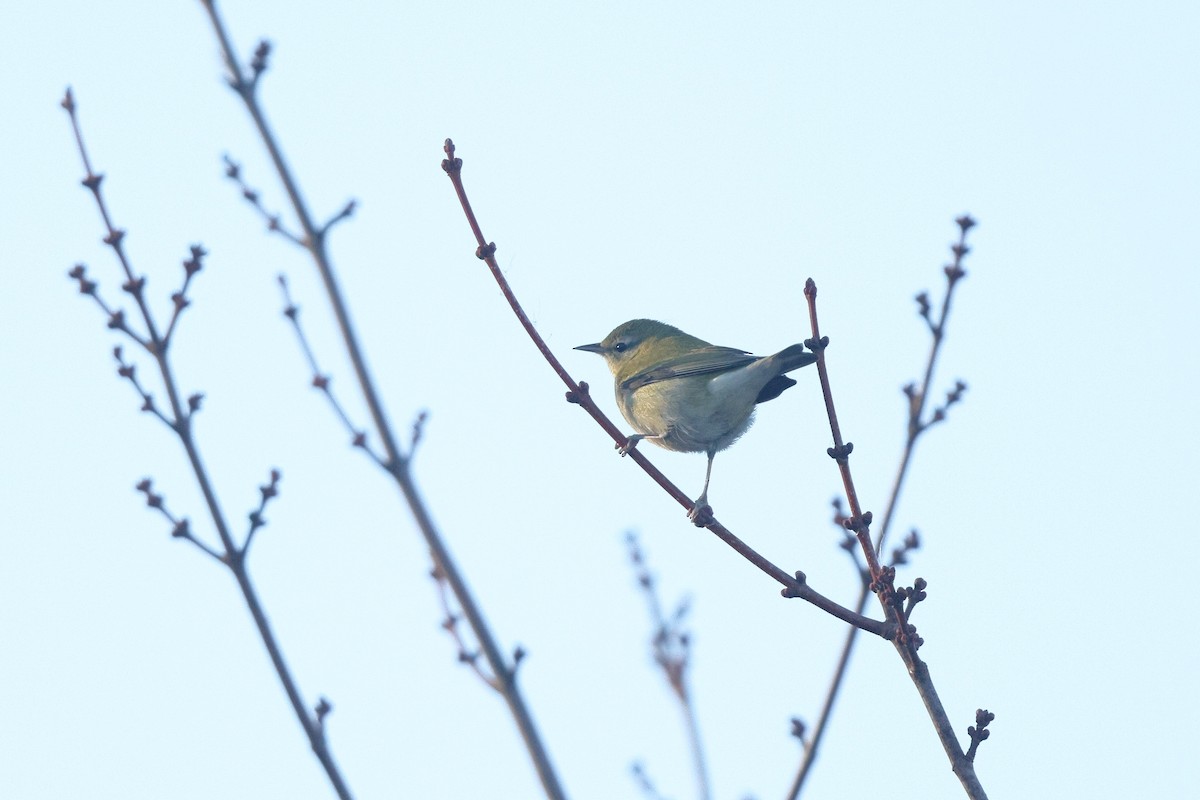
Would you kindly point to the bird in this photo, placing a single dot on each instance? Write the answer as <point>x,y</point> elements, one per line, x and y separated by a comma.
<point>685,394</point>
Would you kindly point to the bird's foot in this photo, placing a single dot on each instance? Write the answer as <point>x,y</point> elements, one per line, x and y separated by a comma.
<point>629,444</point>
<point>701,514</point>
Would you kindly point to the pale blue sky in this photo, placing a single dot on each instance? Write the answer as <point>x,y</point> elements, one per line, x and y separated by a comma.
<point>691,162</point>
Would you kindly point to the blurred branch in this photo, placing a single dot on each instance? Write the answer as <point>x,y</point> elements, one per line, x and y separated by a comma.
<point>321,381</point>
<point>882,583</point>
<point>793,585</point>
<point>466,655</point>
<point>672,649</point>
<point>313,238</point>
<point>649,791</point>
<point>178,416</point>
<point>915,426</point>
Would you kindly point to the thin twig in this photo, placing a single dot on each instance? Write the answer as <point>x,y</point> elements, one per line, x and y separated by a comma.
<point>978,732</point>
<point>450,620</point>
<point>859,521</point>
<point>180,527</point>
<point>644,783</point>
<point>129,372</point>
<point>916,399</point>
<point>180,421</point>
<point>267,492</point>
<point>672,648</point>
<point>233,171</point>
<point>793,585</point>
<point>180,301</point>
<point>314,240</point>
<point>321,380</point>
<point>882,585</point>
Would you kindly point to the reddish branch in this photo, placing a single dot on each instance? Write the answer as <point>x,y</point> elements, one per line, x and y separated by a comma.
<point>882,578</point>
<point>916,425</point>
<point>793,585</point>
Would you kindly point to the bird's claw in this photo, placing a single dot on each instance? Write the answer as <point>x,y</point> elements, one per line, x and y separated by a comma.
<point>624,447</point>
<point>701,514</point>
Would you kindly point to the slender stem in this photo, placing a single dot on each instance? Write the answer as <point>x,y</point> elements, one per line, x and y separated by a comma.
<point>859,521</point>
<point>578,393</point>
<point>396,463</point>
<point>906,642</point>
<point>231,556</point>
<point>671,647</point>
<point>915,428</point>
<point>505,675</point>
<point>703,788</point>
<point>314,239</point>
<point>916,423</point>
<point>880,579</point>
<point>813,742</point>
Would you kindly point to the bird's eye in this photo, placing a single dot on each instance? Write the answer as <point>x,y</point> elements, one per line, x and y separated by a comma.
<point>620,347</point>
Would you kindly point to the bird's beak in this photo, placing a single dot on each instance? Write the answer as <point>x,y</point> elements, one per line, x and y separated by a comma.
<point>592,348</point>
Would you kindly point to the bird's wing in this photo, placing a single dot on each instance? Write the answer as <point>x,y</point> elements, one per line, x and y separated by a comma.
<point>704,361</point>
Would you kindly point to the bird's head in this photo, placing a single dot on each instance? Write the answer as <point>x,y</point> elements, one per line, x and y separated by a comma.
<point>641,344</point>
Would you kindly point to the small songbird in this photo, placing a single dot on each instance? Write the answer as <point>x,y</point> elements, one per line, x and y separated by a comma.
<point>685,394</point>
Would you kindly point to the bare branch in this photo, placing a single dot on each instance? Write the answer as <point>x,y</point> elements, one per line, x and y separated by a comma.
<point>642,778</point>
<point>882,582</point>
<point>179,420</point>
<point>180,528</point>
<point>911,543</point>
<point>578,393</point>
<point>346,212</point>
<point>671,646</point>
<point>233,171</point>
<point>191,266</point>
<point>394,461</point>
<point>266,493</point>
<point>321,381</point>
<point>129,372</point>
<point>418,430</point>
<point>979,732</point>
<point>450,620</point>
<point>916,399</point>
<point>116,316</point>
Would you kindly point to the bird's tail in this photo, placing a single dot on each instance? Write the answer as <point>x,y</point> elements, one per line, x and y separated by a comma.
<point>794,357</point>
<point>791,358</point>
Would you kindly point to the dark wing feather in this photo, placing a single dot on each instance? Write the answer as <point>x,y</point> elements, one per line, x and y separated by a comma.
<point>705,361</point>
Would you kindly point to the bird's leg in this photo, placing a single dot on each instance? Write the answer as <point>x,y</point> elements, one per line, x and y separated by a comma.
<point>632,441</point>
<point>701,509</point>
